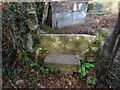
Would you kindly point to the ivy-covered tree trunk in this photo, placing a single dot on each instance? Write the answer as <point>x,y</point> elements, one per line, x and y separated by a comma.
<point>114,44</point>
<point>39,11</point>
<point>45,12</point>
<point>113,39</point>
<point>112,49</point>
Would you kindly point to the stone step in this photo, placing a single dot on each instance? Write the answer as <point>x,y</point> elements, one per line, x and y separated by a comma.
<point>64,63</point>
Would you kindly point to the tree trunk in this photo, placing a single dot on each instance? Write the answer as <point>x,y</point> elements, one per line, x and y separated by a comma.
<point>113,39</point>
<point>45,12</point>
<point>39,11</point>
<point>113,56</point>
<point>113,46</point>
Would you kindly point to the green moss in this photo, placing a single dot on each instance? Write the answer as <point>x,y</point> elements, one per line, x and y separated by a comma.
<point>66,44</point>
<point>90,7</point>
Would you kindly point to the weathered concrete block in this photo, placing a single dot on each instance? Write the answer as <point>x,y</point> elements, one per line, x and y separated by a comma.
<point>64,63</point>
<point>68,13</point>
<point>76,43</point>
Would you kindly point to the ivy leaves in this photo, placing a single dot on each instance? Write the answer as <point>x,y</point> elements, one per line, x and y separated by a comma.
<point>84,68</point>
<point>91,80</point>
<point>41,68</point>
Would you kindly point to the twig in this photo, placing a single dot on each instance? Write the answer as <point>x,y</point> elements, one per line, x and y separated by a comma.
<point>13,65</point>
<point>20,70</point>
<point>114,75</point>
<point>12,84</point>
<point>117,62</point>
<point>108,82</point>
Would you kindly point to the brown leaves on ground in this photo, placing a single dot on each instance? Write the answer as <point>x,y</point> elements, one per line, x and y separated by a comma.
<point>92,24</point>
<point>62,81</point>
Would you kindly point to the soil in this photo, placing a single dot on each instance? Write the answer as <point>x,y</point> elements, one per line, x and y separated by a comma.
<point>62,81</point>
<point>92,25</point>
<point>50,81</point>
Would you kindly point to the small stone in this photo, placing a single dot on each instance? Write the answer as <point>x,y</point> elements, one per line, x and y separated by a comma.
<point>41,86</point>
<point>20,82</point>
<point>38,84</point>
<point>32,70</point>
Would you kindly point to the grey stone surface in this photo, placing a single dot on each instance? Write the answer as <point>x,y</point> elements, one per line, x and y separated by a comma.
<point>64,63</point>
<point>76,43</point>
<point>68,13</point>
<point>62,59</point>
<point>67,19</point>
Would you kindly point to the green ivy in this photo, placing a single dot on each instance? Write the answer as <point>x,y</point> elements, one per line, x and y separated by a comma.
<point>41,68</point>
<point>84,68</point>
<point>91,80</point>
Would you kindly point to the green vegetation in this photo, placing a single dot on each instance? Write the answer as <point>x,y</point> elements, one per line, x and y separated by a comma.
<point>24,58</point>
<point>90,7</point>
<point>93,50</point>
<point>91,80</point>
<point>40,67</point>
<point>84,68</point>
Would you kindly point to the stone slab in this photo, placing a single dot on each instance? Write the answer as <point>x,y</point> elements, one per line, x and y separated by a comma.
<point>67,18</point>
<point>68,13</point>
<point>64,63</point>
<point>62,59</point>
<point>71,43</point>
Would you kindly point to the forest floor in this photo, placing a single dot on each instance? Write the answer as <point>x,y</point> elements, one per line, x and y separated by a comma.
<point>91,26</point>
<point>48,81</point>
<point>52,80</point>
<point>37,79</point>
